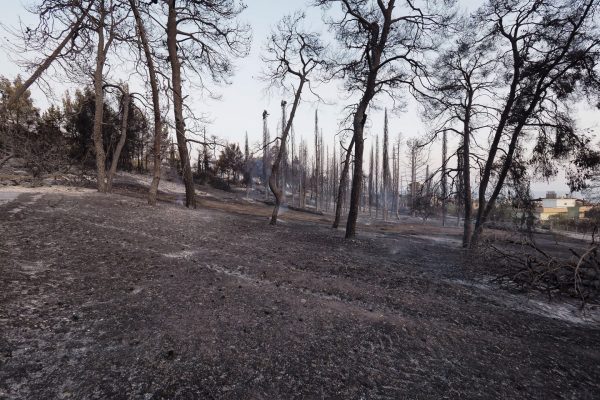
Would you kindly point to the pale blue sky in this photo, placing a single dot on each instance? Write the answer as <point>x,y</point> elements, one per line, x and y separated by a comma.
<point>243,101</point>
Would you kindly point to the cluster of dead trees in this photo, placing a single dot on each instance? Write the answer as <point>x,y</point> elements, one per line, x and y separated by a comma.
<point>506,88</point>
<point>501,82</point>
<point>159,40</point>
<point>508,73</point>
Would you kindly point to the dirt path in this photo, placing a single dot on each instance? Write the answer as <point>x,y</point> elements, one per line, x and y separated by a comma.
<point>102,297</point>
<point>6,197</point>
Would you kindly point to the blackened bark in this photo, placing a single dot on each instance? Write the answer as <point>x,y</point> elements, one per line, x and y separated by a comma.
<point>122,139</point>
<point>276,170</point>
<point>466,172</point>
<point>188,180</point>
<point>99,102</point>
<point>342,188</point>
<point>157,151</point>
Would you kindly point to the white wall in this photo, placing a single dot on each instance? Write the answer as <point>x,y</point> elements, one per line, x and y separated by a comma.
<point>558,203</point>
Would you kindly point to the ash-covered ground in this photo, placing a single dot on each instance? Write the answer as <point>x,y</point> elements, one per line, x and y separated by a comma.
<point>102,296</point>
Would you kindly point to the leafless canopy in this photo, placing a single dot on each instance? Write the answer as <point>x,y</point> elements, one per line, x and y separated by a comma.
<point>389,40</point>
<point>293,58</point>
<point>382,48</point>
<point>293,52</point>
<point>209,36</point>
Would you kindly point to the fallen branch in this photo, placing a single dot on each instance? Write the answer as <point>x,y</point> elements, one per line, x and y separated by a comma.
<point>576,276</point>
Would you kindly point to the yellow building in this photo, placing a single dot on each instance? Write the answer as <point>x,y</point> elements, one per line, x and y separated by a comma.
<point>561,208</point>
<point>544,213</point>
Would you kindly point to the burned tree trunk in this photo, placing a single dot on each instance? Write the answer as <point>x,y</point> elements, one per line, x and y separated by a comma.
<point>317,171</point>
<point>375,35</point>
<point>385,168</point>
<point>276,170</point>
<point>190,193</point>
<point>157,151</point>
<point>291,52</point>
<point>444,178</point>
<point>117,154</point>
<point>265,158</point>
<point>466,172</point>
<point>377,188</point>
<point>342,188</point>
<point>101,52</point>
<point>370,183</point>
<point>283,169</point>
<point>360,118</point>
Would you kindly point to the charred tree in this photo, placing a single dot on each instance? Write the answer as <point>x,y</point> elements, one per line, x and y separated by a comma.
<point>158,126</point>
<point>201,38</point>
<point>343,183</point>
<point>293,57</point>
<point>551,46</point>
<point>371,195</point>
<point>377,188</point>
<point>444,177</point>
<point>385,167</point>
<point>125,100</point>
<point>383,43</point>
<point>265,149</point>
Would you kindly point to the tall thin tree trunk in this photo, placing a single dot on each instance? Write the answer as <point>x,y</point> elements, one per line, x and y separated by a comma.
<point>334,175</point>
<point>413,179</point>
<point>326,176</point>
<point>360,117</point>
<point>317,172</point>
<point>321,170</point>
<point>265,160</point>
<point>385,167</point>
<point>444,177</point>
<point>99,101</point>
<point>459,184</point>
<point>276,170</point>
<point>157,151</point>
<point>122,139</point>
<point>397,183</point>
<point>371,183</point>
<point>283,169</point>
<point>292,171</point>
<point>358,124</point>
<point>343,183</point>
<point>377,189</point>
<point>466,184</point>
<point>184,157</point>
